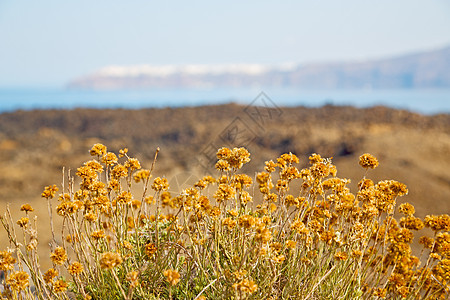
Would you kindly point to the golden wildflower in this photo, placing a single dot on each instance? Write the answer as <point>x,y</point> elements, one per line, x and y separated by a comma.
<point>49,191</point>
<point>132,164</point>
<point>124,197</point>
<point>66,208</point>
<point>356,253</point>
<point>299,226</point>
<point>59,286</point>
<point>315,158</point>
<point>127,245</point>
<point>282,185</point>
<point>263,234</point>
<point>94,165</point>
<point>6,261</point>
<point>114,184</point>
<point>141,175</point>
<point>119,171</point>
<point>279,258</point>
<point>50,274</point>
<point>289,173</point>
<point>131,223</point>
<point>270,166</point>
<point>403,291</point>
<point>368,161</point>
<point>59,256</point>
<point>98,234</point>
<point>110,260</point>
<point>135,203</point>
<point>160,184</point>
<point>109,159</point>
<point>26,208</point>
<point>172,276</point>
<point>222,165</point>
<point>209,179</point>
<point>123,152</point>
<point>200,184</point>
<point>229,222</point>
<point>32,244</point>
<point>442,269</point>
<point>223,153</point>
<point>245,286</point>
<point>290,244</point>
<point>406,209</point>
<point>98,149</point>
<point>90,217</point>
<point>22,222</point>
<point>340,256</point>
<point>379,292</point>
<point>411,223</point>
<point>232,212</point>
<point>64,197</point>
<point>72,238</point>
<point>18,281</point>
<point>435,256</point>
<point>320,170</point>
<point>403,235</point>
<point>238,157</point>
<point>245,197</point>
<point>438,223</point>
<point>75,268</point>
<point>150,249</point>
<point>224,192</point>
<point>246,221</point>
<point>133,278</point>
<point>287,159</point>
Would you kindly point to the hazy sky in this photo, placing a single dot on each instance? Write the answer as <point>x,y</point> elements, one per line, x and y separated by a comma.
<point>49,42</point>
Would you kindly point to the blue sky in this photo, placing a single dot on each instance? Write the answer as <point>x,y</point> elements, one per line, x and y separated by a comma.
<point>50,42</point>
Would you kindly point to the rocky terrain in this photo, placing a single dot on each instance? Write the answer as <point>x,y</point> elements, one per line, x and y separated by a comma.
<point>35,145</point>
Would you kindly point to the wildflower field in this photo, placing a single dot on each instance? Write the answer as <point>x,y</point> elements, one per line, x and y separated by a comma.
<point>282,233</point>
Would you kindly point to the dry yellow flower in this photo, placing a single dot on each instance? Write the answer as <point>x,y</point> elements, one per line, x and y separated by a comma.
<point>75,268</point>
<point>22,222</point>
<point>141,175</point>
<point>59,286</point>
<point>6,261</point>
<point>50,274</point>
<point>18,281</point>
<point>26,208</point>
<point>224,192</point>
<point>160,184</point>
<point>59,256</point>
<point>49,191</point>
<point>341,256</point>
<point>98,234</point>
<point>98,149</point>
<point>110,260</point>
<point>150,249</point>
<point>133,278</point>
<point>132,164</point>
<point>245,286</point>
<point>109,159</point>
<point>172,276</point>
<point>368,161</point>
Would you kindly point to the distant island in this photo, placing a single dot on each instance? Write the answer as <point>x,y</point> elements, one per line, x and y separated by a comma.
<point>419,70</point>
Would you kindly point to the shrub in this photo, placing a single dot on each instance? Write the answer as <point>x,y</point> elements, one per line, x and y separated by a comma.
<point>284,234</point>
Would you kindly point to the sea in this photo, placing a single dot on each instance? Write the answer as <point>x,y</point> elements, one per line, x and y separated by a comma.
<point>424,101</point>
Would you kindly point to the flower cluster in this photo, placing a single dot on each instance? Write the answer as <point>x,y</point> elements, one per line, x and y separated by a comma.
<point>285,233</point>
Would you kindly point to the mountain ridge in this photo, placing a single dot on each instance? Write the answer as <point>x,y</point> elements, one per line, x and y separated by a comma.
<point>430,69</point>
